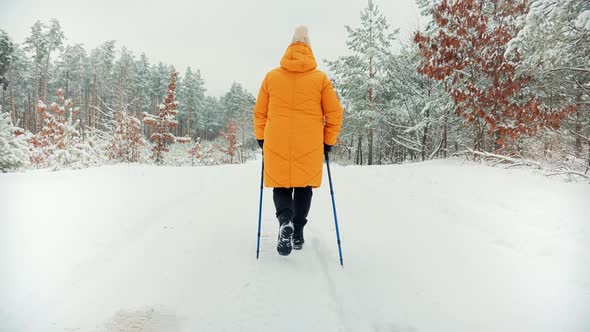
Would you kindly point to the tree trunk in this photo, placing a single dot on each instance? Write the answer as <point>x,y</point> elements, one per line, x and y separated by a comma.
<point>46,76</point>
<point>349,148</point>
<point>85,105</point>
<point>359,151</point>
<point>496,138</point>
<point>188,122</point>
<point>12,108</point>
<point>476,137</point>
<point>578,130</point>
<point>93,105</point>
<point>28,118</point>
<point>67,83</point>
<point>3,99</point>
<point>140,106</point>
<point>425,135</point>
<point>370,138</point>
<point>37,75</point>
<point>371,75</point>
<point>445,134</point>
<point>80,93</point>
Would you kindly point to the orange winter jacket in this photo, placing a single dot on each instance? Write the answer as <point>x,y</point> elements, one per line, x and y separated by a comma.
<point>296,112</point>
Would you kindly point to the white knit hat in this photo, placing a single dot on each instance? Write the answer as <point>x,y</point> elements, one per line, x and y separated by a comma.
<point>301,35</point>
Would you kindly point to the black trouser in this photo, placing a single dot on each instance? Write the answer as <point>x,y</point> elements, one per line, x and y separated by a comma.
<point>293,204</point>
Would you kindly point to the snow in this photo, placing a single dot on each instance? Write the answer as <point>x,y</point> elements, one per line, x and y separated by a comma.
<point>435,246</point>
<point>583,21</point>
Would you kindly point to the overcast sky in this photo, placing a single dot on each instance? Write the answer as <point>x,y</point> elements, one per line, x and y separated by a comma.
<point>232,40</point>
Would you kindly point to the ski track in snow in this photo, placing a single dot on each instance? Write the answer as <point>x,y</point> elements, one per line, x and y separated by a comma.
<point>436,246</point>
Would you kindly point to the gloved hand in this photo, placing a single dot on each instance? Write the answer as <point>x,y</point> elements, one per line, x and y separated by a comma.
<point>260,142</point>
<point>327,148</point>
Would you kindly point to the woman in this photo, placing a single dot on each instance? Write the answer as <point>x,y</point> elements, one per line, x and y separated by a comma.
<point>297,119</point>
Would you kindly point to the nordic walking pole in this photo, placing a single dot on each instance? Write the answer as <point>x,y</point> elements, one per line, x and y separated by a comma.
<point>334,208</point>
<point>260,208</point>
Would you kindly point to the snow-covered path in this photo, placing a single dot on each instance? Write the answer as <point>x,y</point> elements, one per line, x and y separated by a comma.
<point>436,246</point>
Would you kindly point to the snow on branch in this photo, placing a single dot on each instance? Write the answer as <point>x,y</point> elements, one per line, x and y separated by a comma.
<point>163,121</point>
<point>405,145</point>
<point>502,159</point>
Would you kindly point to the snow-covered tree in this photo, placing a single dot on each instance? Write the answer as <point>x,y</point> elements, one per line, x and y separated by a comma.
<point>6,59</point>
<point>127,139</point>
<point>141,85</point>
<point>70,72</point>
<point>19,88</point>
<point>159,80</point>
<point>14,149</point>
<point>163,121</point>
<point>233,103</point>
<point>467,54</point>
<point>192,98</point>
<point>36,45</point>
<point>230,143</point>
<point>212,117</point>
<point>6,53</point>
<point>54,37</point>
<point>359,78</point>
<point>552,49</point>
<point>238,105</point>
<point>123,71</point>
<point>59,142</point>
<point>200,153</point>
<point>417,111</point>
<point>101,70</point>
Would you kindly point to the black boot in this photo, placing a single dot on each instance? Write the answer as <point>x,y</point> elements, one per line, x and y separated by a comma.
<point>284,245</point>
<point>298,240</point>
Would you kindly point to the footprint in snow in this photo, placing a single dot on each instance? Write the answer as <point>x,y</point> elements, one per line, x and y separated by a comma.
<point>144,320</point>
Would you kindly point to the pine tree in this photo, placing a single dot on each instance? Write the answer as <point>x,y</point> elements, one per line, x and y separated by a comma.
<point>230,145</point>
<point>123,71</point>
<point>36,44</point>
<point>6,54</point>
<point>467,54</point>
<point>6,59</point>
<point>58,143</point>
<point>192,98</point>
<point>233,103</point>
<point>212,117</point>
<point>54,37</point>
<point>238,105</point>
<point>200,154</point>
<point>101,71</point>
<point>70,72</point>
<point>14,149</point>
<point>141,84</point>
<point>19,89</point>
<point>417,109</point>
<point>127,140</point>
<point>163,121</point>
<point>360,77</point>
<point>553,47</point>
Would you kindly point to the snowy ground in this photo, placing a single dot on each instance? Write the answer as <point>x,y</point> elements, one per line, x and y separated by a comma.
<point>436,246</point>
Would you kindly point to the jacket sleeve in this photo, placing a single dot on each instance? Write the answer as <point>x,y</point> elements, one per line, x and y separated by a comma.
<point>261,110</point>
<point>332,112</point>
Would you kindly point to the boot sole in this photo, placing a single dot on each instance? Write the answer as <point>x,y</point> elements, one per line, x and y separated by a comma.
<point>297,246</point>
<point>285,237</point>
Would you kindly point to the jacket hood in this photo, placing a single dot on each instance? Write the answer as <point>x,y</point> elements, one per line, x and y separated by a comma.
<point>298,58</point>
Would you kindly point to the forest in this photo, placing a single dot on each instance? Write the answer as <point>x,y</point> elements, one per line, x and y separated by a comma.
<point>502,81</point>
